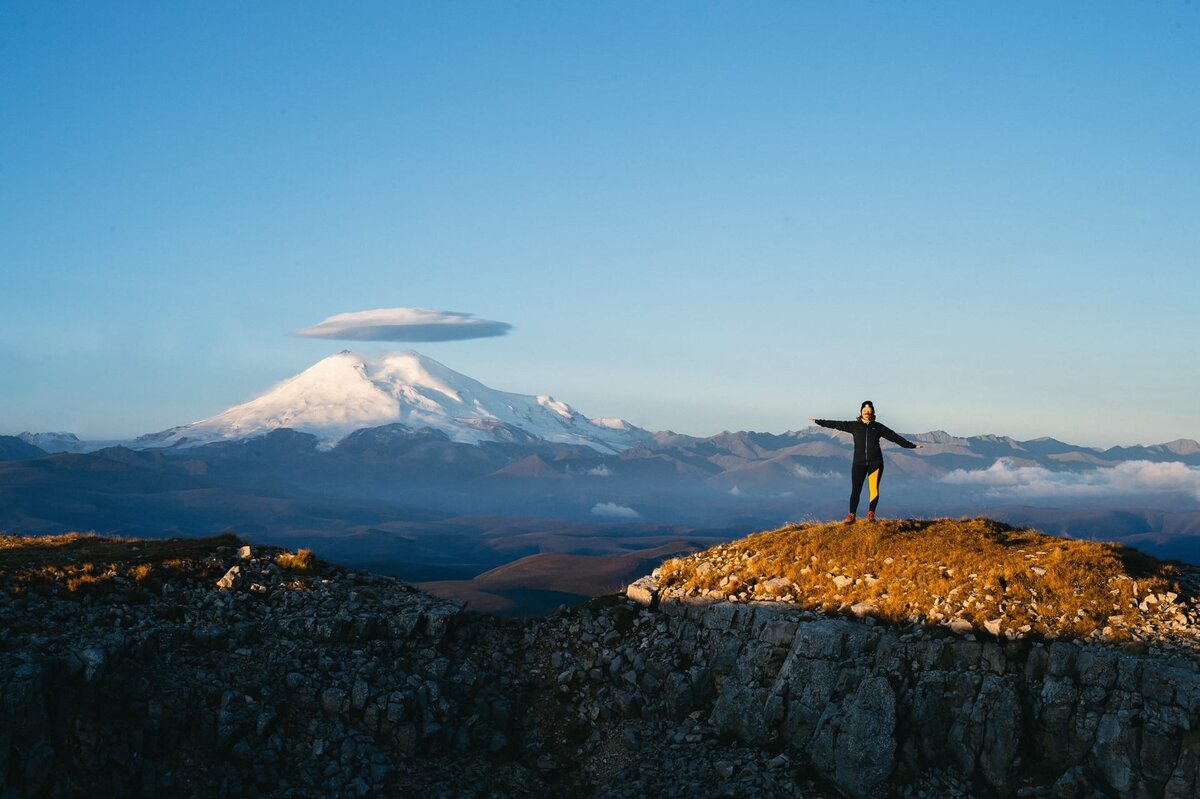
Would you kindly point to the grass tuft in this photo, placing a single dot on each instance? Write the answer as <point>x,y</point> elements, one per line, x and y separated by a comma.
<point>302,560</point>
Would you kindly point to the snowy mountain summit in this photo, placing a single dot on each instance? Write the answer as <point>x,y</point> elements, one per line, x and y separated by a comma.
<point>346,392</point>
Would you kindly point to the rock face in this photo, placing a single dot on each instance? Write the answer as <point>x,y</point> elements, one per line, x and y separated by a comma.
<point>868,708</point>
<point>257,683</point>
<point>236,677</point>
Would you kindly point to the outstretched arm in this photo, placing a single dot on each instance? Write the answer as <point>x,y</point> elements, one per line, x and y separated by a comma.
<point>896,438</point>
<point>832,425</point>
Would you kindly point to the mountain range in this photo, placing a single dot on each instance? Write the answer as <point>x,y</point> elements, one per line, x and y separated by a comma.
<point>405,465</point>
<point>346,393</point>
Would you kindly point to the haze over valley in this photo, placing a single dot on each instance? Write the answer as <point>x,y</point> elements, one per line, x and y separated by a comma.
<point>405,466</point>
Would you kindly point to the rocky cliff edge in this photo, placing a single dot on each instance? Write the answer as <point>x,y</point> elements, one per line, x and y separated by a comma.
<point>213,668</point>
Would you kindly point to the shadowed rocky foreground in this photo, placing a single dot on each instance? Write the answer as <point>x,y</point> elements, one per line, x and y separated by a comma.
<point>230,671</point>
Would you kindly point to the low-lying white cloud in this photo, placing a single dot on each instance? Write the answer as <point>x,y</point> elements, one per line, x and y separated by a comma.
<point>405,324</point>
<point>1003,478</point>
<point>808,474</point>
<point>600,471</point>
<point>612,510</point>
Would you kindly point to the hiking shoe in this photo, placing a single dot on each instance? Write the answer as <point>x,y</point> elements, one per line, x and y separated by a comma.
<point>850,519</point>
<point>870,515</point>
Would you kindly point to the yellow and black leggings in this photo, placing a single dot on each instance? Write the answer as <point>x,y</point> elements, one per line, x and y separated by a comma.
<point>872,473</point>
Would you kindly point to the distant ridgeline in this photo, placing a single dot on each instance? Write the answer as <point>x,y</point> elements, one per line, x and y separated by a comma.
<point>277,486</point>
<point>353,445</point>
<point>955,657</point>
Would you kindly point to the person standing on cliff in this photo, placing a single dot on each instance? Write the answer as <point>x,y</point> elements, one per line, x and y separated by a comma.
<point>868,457</point>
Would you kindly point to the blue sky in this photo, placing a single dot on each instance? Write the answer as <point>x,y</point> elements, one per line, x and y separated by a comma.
<point>696,216</point>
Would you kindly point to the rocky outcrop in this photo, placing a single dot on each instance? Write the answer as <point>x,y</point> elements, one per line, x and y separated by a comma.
<point>870,707</point>
<point>230,676</point>
<point>234,676</point>
<point>258,682</point>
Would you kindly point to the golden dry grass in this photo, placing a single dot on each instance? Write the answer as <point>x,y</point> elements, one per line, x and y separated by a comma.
<point>89,562</point>
<point>930,571</point>
<point>302,560</point>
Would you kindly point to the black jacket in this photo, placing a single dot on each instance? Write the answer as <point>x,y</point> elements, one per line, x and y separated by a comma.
<point>866,438</point>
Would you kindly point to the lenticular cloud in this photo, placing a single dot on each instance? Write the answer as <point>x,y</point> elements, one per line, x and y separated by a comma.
<point>405,324</point>
<point>1003,478</point>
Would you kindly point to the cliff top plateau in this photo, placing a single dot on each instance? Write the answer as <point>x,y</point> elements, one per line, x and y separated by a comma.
<point>970,575</point>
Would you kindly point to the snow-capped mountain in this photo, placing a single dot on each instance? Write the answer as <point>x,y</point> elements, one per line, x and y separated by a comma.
<point>66,442</point>
<point>54,442</point>
<point>347,392</point>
